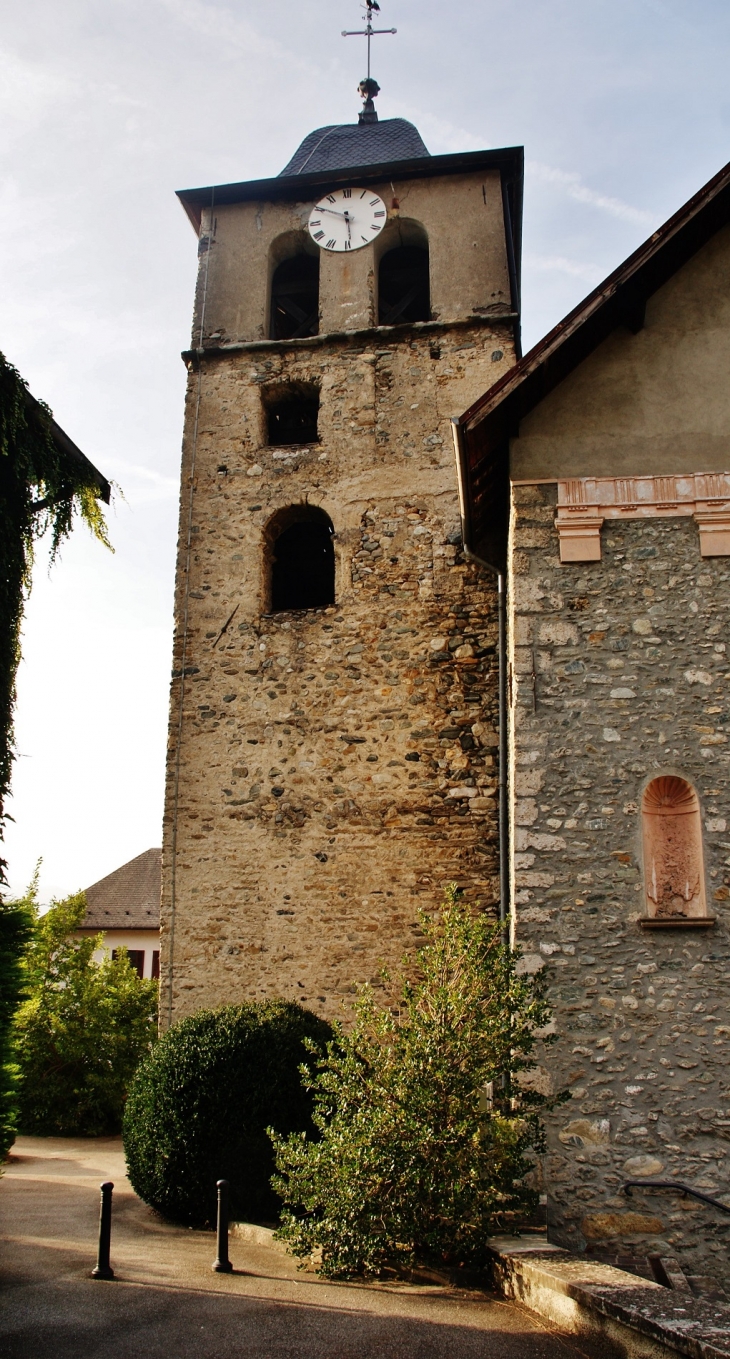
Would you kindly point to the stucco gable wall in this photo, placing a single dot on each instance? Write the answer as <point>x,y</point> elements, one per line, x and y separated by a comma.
<point>653,403</point>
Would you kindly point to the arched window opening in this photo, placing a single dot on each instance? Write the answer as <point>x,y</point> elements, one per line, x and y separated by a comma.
<point>403,286</point>
<point>292,412</point>
<point>674,877</point>
<point>295,298</point>
<point>302,559</point>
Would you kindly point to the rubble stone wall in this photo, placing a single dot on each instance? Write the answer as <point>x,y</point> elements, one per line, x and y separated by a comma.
<point>329,771</point>
<point>620,673</point>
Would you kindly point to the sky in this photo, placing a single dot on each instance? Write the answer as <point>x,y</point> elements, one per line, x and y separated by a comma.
<point>106,108</point>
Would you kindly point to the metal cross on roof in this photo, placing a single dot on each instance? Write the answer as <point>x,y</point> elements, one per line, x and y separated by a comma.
<point>368,31</point>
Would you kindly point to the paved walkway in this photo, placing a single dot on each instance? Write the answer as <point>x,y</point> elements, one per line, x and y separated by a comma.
<point>165,1300</point>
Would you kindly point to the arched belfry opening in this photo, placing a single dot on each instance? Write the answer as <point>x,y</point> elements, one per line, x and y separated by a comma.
<point>674,876</point>
<point>404,288</point>
<point>294,310</point>
<point>301,559</point>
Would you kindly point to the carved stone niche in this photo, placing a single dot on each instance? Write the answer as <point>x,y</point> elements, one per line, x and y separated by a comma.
<point>674,875</point>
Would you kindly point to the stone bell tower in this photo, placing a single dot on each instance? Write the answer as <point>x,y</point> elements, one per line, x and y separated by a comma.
<point>332,753</point>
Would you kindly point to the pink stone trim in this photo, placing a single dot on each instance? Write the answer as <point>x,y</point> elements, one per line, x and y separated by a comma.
<point>584,503</point>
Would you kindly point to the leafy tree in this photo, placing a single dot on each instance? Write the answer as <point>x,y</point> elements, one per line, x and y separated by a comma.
<point>44,481</point>
<point>17,919</point>
<point>427,1117</point>
<point>81,1030</point>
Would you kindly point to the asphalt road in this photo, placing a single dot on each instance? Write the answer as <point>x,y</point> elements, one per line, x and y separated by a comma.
<point>166,1301</point>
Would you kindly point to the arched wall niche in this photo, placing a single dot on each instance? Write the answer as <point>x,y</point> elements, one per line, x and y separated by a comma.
<point>299,559</point>
<point>403,273</point>
<point>293,295</point>
<point>674,874</point>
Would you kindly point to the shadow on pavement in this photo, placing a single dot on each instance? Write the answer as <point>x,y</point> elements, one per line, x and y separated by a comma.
<point>76,1320</point>
<point>167,1302</point>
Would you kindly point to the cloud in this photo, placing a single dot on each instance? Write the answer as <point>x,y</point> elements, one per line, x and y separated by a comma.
<point>28,89</point>
<point>142,485</point>
<point>213,21</point>
<point>436,131</point>
<point>589,273</point>
<point>571,182</point>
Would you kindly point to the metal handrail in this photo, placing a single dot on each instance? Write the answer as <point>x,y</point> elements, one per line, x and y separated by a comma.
<point>679,1187</point>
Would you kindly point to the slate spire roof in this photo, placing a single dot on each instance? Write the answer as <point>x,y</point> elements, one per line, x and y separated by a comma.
<point>342,146</point>
<point>128,898</point>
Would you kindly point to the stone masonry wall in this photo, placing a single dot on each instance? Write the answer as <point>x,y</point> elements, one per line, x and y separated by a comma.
<point>620,673</point>
<point>336,768</point>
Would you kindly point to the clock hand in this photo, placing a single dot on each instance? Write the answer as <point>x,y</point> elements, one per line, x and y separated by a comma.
<point>331,211</point>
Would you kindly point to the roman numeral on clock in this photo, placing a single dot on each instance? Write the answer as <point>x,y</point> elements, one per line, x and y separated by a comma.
<point>347,193</point>
<point>331,244</point>
<point>318,235</point>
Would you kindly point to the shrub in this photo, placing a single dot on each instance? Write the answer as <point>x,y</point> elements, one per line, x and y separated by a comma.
<point>200,1104</point>
<point>425,1115</point>
<point>81,1031</point>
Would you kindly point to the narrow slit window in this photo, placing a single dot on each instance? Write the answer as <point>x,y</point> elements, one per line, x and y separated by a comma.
<point>295,298</point>
<point>674,878</point>
<point>302,560</point>
<point>403,286</point>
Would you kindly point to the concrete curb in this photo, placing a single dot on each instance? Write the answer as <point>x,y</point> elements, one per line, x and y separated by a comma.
<point>258,1236</point>
<point>585,1297</point>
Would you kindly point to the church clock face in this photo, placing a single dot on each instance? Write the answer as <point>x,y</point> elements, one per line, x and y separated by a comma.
<point>347,219</point>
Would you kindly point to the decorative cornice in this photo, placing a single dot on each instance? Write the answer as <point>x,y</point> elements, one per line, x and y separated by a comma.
<point>584,503</point>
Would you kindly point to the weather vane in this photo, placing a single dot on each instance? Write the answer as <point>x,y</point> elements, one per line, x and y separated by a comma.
<point>371,7</point>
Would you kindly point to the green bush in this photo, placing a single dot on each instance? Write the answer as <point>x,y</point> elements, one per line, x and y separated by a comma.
<point>426,1117</point>
<point>200,1104</point>
<point>81,1031</point>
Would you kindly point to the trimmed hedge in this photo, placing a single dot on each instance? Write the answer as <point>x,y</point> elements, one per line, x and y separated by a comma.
<point>200,1104</point>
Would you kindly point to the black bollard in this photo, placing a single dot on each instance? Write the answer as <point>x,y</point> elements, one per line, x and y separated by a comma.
<point>222,1264</point>
<point>103,1269</point>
